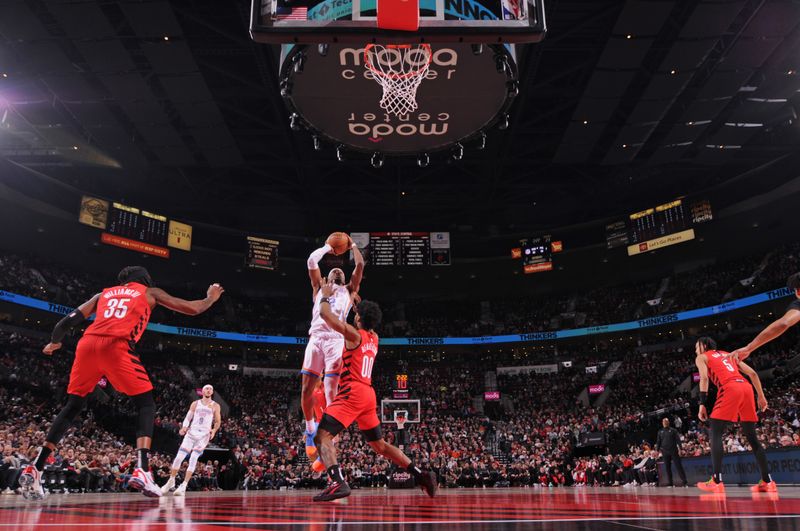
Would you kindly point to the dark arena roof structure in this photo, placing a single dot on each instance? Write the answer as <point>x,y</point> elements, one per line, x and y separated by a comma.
<point>171,105</point>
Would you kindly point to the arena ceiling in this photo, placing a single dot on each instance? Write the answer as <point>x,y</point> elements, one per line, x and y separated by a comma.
<point>171,105</point>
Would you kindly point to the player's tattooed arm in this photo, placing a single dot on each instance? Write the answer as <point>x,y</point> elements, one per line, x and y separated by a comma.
<point>753,375</point>
<point>702,367</point>
<point>179,305</point>
<point>72,320</point>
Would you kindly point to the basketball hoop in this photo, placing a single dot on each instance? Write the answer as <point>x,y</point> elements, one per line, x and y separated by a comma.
<point>399,69</point>
<point>400,421</point>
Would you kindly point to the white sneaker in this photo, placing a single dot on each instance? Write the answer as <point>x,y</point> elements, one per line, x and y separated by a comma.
<point>143,481</point>
<point>31,483</point>
<point>8,491</point>
<point>181,490</point>
<point>169,485</point>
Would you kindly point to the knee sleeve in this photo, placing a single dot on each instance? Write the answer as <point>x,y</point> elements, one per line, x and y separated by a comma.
<point>62,422</point>
<point>176,463</point>
<point>147,413</point>
<point>193,460</point>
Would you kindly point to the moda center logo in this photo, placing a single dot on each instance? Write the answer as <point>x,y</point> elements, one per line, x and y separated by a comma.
<point>377,126</point>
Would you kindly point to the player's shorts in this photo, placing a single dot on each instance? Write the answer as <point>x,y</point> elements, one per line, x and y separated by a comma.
<point>358,404</point>
<point>195,442</point>
<point>112,357</point>
<point>323,354</point>
<point>735,403</point>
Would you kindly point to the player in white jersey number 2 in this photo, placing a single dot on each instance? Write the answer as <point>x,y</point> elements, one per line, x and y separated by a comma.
<point>199,427</point>
<point>325,345</point>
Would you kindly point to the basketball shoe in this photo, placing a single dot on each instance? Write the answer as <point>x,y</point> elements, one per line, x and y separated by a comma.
<point>31,483</point>
<point>763,486</point>
<point>143,481</point>
<point>711,486</point>
<point>333,491</point>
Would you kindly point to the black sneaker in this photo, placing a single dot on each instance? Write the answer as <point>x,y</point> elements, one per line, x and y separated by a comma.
<point>334,491</point>
<point>428,483</point>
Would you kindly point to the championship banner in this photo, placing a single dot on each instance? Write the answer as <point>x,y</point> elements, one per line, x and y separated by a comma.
<point>94,212</point>
<point>179,236</point>
<point>658,243</point>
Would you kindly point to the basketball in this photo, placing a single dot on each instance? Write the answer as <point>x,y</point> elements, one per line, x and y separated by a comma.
<point>340,242</point>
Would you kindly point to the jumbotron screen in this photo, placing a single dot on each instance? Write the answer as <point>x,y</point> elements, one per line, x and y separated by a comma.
<point>537,253</point>
<point>136,224</point>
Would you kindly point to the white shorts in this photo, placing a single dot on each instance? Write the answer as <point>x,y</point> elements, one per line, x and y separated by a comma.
<point>323,353</point>
<point>195,442</point>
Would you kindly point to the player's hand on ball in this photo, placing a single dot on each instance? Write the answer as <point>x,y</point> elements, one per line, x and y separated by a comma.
<point>762,403</point>
<point>182,431</point>
<point>214,292</point>
<point>702,414</point>
<point>327,288</point>
<point>50,348</point>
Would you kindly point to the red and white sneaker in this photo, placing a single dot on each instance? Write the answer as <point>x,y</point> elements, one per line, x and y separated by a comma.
<point>143,481</point>
<point>31,484</point>
<point>764,487</point>
<point>711,486</point>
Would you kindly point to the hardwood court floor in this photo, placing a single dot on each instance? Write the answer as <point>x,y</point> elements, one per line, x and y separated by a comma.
<point>475,509</point>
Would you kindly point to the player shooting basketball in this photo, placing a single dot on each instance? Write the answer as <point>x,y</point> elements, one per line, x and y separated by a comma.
<point>325,344</point>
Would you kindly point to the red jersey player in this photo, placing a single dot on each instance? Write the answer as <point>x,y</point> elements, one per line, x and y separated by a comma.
<point>107,348</point>
<point>355,401</point>
<point>734,403</point>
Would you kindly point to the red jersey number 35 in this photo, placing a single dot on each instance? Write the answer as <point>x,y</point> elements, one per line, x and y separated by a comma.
<point>116,308</point>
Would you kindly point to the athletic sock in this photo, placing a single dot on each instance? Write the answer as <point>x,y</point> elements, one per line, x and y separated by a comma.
<point>717,478</point>
<point>311,426</point>
<point>143,461</point>
<point>335,474</point>
<point>414,470</point>
<point>41,459</point>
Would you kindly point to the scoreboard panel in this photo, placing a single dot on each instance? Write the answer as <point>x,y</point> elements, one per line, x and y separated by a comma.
<point>404,248</point>
<point>537,253</point>
<point>136,224</point>
<point>652,223</point>
<point>261,253</point>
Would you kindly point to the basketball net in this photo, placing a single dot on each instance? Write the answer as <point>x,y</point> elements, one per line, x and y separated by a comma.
<point>400,421</point>
<point>399,69</point>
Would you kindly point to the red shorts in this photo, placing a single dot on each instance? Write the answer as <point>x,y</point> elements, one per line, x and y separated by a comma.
<point>356,405</point>
<point>112,357</point>
<point>735,403</point>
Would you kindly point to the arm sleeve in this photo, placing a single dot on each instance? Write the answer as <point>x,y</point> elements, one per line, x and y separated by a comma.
<point>316,256</point>
<point>60,330</point>
<point>188,418</point>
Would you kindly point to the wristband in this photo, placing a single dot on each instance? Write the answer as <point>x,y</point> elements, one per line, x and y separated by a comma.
<point>703,398</point>
<point>325,299</point>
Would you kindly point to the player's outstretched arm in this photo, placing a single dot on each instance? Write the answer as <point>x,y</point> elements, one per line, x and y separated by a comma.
<point>358,272</point>
<point>702,367</point>
<point>313,267</point>
<point>350,334</point>
<point>775,329</point>
<point>72,320</point>
<point>753,375</point>
<point>179,305</point>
